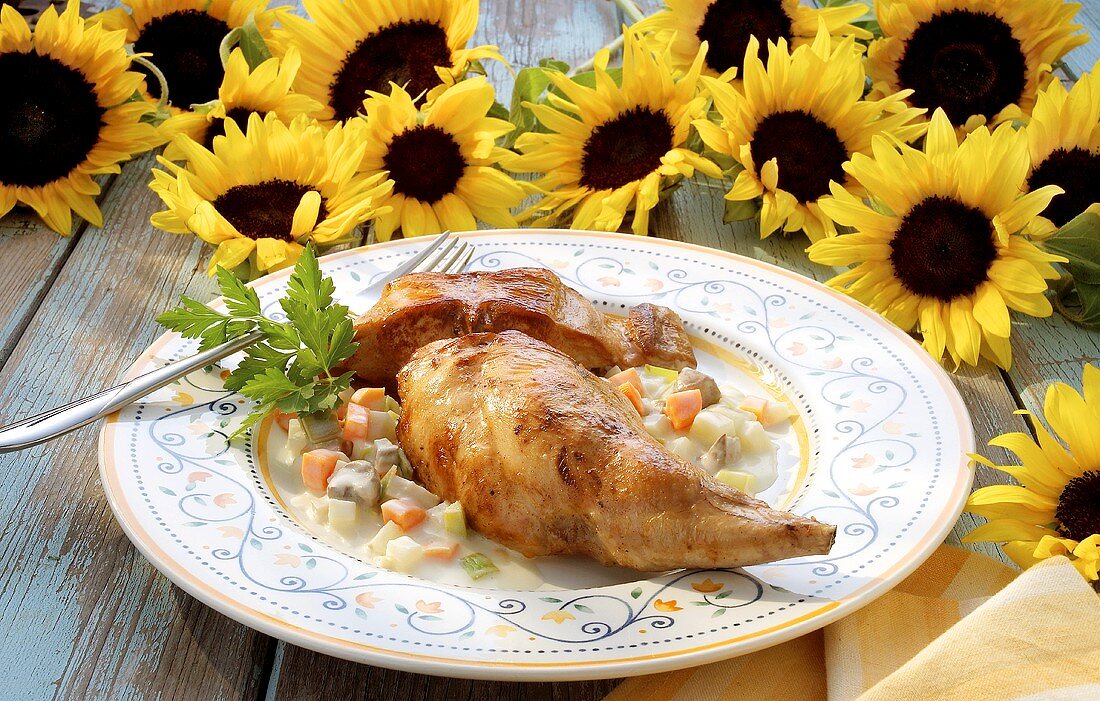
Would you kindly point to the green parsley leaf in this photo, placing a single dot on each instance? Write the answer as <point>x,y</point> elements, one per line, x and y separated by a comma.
<point>291,368</point>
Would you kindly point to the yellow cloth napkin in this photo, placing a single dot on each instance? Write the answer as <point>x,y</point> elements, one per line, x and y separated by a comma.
<point>963,626</point>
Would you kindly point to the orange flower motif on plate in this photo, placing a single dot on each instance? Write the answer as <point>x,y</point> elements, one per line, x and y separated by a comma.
<point>367,600</point>
<point>558,616</point>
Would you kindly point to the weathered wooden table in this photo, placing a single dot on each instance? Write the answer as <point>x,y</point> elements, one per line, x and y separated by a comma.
<point>83,615</point>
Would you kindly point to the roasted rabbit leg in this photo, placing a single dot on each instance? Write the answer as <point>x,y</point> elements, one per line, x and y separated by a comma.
<point>420,308</point>
<point>549,459</point>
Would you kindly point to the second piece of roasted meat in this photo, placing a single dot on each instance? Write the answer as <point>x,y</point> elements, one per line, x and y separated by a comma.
<point>548,459</point>
<point>420,308</point>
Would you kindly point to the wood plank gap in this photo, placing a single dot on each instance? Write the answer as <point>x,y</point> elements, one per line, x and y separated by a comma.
<point>15,331</point>
<point>265,688</point>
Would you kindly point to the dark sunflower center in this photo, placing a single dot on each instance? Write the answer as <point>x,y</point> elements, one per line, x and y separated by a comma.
<point>405,53</point>
<point>264,210</point>
<point>239,116</point>
<point>49,119</point>
<point>626,148</point>
<point>1079,506</point>
<point>965,62</point>
<point>809,153</point>
<point>728,24</point>
<point>425,163</point>
<point>943,249</point>
<point>184,45</point>
<point>1077,171</point>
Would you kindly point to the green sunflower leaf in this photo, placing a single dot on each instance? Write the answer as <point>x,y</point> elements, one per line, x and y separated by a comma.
<point>740,210</point>
<point>1079,241</point>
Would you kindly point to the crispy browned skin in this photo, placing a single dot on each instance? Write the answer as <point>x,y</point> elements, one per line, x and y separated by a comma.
<point>420,308</point>
<point>549,459</point>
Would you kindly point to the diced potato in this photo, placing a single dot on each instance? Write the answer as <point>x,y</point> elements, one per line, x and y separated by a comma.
<point>405,553</point>
<point>383,424</point>
<point>400,488</point>
<point>657,424</point>
<point>342,513</point>
<point>363,450</point>
<point>775,413</point>
<point>454,520</point>
<point>386,533</point>
<point>683,447</point>
<point>755,440</point>
<point>296,438</point>
<point>283,418</point>
<point>709,427</point>
<point>738,480</point>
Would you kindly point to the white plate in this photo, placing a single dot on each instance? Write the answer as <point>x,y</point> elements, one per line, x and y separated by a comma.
<point>884,434</point>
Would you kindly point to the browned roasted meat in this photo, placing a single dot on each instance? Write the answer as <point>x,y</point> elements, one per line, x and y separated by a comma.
<point>420,308</point>
<point>548,459</point>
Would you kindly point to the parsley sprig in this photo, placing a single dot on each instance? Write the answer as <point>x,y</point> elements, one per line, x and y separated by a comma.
<point>292,368</point>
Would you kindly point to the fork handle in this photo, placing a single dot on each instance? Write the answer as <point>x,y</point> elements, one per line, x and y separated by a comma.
<point>61,420</point>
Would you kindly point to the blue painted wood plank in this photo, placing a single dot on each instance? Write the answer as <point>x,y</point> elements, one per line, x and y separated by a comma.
<point>82,615</point>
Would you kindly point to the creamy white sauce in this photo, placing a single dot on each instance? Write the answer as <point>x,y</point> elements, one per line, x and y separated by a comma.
<point>517,572</point>
<point>758,446</point>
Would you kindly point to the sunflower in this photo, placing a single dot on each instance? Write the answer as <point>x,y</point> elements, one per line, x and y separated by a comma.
<point>612,148</point>
<point>352,46</point>
<point>182,38</point>
<point>938,247</point>
<point>1056,510</point>
<point>1064,138</point>
<point>266,89</point>
<point>64,114</point>
<point>259,195</point>
<point>978,60</point>
<point>727,26</point>
<point>795,125</point>
<point>441,159</point>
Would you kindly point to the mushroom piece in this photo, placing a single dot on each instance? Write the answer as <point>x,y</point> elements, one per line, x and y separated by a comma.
<point>386,455</point>
<point>725,453</point>
<point>689,379</point>
<point>355,481</point>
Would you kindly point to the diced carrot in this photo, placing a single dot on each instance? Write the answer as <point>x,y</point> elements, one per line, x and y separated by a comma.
<point>317,466</point>
<point>632,394</point>
<point>373,398</point>
<point>682,408</point>
<point>283,418</point>
<point>404,513</point>
<point>443,551</point>
<point>629,375</point>
<point>356,423</point>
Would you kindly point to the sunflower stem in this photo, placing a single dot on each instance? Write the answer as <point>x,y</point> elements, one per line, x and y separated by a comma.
<point>612,46</point>
<point>630,10</point>
<point>151,67</point>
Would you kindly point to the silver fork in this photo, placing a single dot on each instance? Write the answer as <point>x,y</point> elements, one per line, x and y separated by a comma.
<point>447,254</point>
